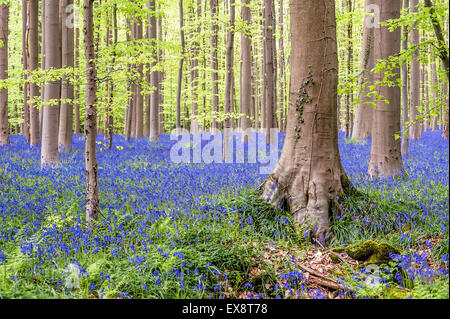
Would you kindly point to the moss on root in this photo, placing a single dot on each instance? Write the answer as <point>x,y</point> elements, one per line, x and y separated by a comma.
<point>369,251</point>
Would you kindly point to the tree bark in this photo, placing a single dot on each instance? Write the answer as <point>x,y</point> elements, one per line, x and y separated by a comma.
<point>25,126</point>
<point>33,64</point>
<point>434,82</point>
<point>443,47</point>
<point>52,91</point>
<point>76,101</point>
<point>229,82</point>
<point>180,69</point>
<point>281,67</point>
<point>309,175</point>
<point>385,153</point>
<point>4,32</point>
<point>363,114</point>
<point>415,131</point>
<point>246,93</point>
<point>90,127</point>
<point>66,112</point>
<point>405,96</point>
<point>154,97</point>
<point>214,63</point>
<point>268,67</point>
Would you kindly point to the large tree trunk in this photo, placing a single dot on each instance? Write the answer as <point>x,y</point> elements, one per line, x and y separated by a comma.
<point>246,88</point>
<point>90,126</point>
<point>154,97</point>
<point>52,91</point>
<point>33,64</point>
<point>4,19</point>
<point>415,131</point>
<point>309,175</point>
<point>405,96</point>
<point>268,67</point>
<point>66,117</point>
<point>363,114</point>
<point>385,153</point>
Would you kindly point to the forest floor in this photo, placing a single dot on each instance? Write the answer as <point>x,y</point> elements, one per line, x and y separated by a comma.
<point>199,231</point>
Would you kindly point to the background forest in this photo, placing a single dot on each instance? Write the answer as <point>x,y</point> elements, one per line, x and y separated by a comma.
<point>165,230</point>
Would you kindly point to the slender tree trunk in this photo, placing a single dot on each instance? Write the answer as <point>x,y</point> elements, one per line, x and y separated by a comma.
<point>4,32</point>
<point>443,47</point>
<point>363,113</point>
<point>76,101</point>
<point>66,112</point>
<point>139,99</point>
<point>25,127</point>
<point>415,131</point>
<point>180,69</point>
<point>405,97</point>
<point>90,127</point>
<point>349,96</point>
<point>246,50</point>
<point>33,64</point>
<point>426,98</point>
<point>268,66</point>
<point>229,82</point>
<point>309,175</point>
<point>385,153</point>
<point>52,91</point>
<point>154,107</point>
<point>111,113</point>
<point>281,66</point>
<point>434,82</point>
<point>214,63</point>
<point>160,77</point>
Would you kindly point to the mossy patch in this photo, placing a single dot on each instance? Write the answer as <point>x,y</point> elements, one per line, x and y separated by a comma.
<point>369,251</point>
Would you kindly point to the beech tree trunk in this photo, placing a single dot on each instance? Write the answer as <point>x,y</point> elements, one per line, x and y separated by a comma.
<point>415,131</point>
<point>160,77</point>
<point>4,32</point>
<point>281,67</point>
<point>434,82</point>
<point>228,124</point>
<point>154,97</point>
<point>309,175</point>
<point>214,63</point>
<point>33,64</point>
<point>90,126</point>
<point>52,91</point>
<point>180,69</point>
<point>66,112</point>
<point>385,153</point>
<point>405,96</point>
<point>25,126</point>
<point>363,113</point>
<point>246,51</point>
<point>268,67</point>
<point>76,101</point>
<point>139,99</point>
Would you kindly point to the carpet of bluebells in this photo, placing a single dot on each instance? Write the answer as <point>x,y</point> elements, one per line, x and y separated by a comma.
<point>172,231</point>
